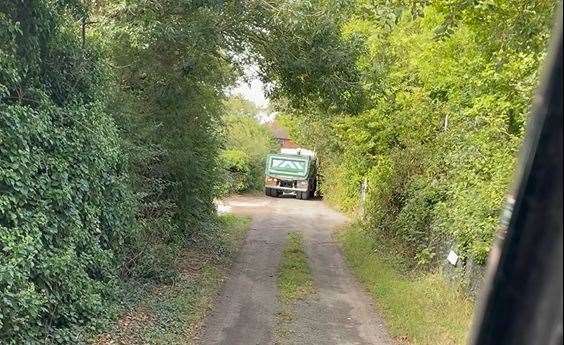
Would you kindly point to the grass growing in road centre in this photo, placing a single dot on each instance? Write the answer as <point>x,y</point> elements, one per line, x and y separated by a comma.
<point>294,278</point>
<point>424,310</point>
<point>295,283</point>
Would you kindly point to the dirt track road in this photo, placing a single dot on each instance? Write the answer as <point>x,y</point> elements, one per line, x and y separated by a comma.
<point>340,313</point>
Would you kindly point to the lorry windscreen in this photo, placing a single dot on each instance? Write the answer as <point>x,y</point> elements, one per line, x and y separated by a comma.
<point>292,166</point>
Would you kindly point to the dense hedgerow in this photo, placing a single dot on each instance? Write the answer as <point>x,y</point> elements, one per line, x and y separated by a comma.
<point>246,143</point>
<point>111,118</point>
<point>168,102</point>
<point>448,85</point>
<point>64,201</point>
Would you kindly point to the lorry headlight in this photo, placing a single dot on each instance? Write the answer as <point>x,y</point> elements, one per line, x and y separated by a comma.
<point>302,184</point>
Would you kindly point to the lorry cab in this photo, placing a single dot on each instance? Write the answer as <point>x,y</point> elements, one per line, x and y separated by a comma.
<point>291,171</point>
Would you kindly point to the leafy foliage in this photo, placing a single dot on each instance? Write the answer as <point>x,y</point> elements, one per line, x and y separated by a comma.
<point>64,202</point>
<point>246,142</point>
<point>447,91</point>
<point>237,166</point>
<point>110,118</point>
<point>171,74</point>
<point>315,61</point>
<point>114,138</point>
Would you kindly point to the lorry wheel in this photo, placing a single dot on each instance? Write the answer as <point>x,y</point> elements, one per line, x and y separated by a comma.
<point>268,191</point>
<point>303,195</point>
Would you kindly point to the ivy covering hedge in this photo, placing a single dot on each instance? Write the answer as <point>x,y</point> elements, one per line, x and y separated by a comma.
<point>64,204</point>
<point>110,135</point>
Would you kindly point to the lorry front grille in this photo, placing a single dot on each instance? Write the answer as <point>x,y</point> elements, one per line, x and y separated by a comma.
<point>289,184</point>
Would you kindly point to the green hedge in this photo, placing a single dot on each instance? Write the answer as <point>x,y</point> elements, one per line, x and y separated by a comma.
<point>63,215</point>
<point>64,202</point>
<point>246,145</point>
<point>447,94</point>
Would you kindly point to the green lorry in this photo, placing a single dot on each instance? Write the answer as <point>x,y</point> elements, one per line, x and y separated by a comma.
<point>290,173</point>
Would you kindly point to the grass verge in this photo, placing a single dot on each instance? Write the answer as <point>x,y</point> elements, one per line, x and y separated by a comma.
<point>173,313</point>
<point>294,278</point>
<point>420,310</point>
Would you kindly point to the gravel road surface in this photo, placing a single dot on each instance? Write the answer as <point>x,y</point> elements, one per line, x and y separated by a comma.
<point>246,312</point>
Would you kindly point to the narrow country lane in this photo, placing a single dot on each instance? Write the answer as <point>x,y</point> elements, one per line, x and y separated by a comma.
<point>340,313</point>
